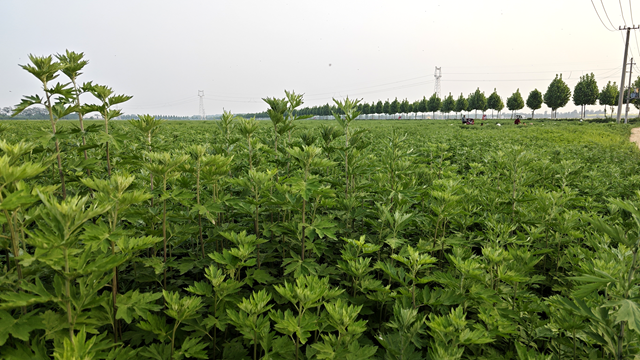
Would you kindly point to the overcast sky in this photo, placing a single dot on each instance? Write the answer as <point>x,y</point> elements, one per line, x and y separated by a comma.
<point>163,52</point>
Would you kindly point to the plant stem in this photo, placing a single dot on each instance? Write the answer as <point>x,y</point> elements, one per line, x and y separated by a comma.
<point>108,158</point>
<point>620,340</point>
<point>114,292</point>
<point>255,346</point>
<point>574,344</point>
<point>199,216</point>
<point>346,160</point>
<point>14,242</point>
<point>67,291</point>
<point>304,205</point>
<point>84,140</point>
<point>164,231</point>
<point>173,337</point>
<point>257,231</point>
<point>53,127</point>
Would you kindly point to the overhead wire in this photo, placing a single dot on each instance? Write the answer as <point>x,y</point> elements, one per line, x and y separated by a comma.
<point>369,87</point>
<point>250,100</point>
<point>605,12</point>
<point>164,104</point>
<point>622,12</point>
<point>596,10</point>
<point>625,24</point>
<point>373,91</point>
<point>526,72</point>
<point>635,34</point>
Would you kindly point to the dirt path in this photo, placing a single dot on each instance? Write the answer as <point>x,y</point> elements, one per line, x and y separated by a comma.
<point>635,136</point>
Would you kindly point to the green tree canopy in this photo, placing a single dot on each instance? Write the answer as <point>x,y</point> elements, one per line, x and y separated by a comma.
<point>423,105</point>
<point>434,104</point>
<point>366,108</point>
<point>394,107</point>
<point>515,102</point>
<point>557,95</point>
<point>609,96</point>
<point>500,107</point>
<point>448,105</point>
<point>477,101</point>
<point>494,102</point>
<point>415,107</point>
<point>461,104</point>
<point>534,101</point>
<point>586,92</point>
<point>379,107</point>
<point>405,107</point>
<point>634,87</point>
<point>385,107</point>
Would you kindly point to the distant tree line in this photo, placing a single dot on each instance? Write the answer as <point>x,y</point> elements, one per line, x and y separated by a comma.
<point>558,94</point>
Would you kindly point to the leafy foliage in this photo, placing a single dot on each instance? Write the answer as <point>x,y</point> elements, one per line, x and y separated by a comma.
<point>249,241</point>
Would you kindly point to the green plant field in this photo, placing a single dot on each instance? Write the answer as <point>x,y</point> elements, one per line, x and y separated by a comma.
<point>306,239</point>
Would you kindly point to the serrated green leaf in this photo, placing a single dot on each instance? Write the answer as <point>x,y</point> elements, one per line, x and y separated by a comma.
<point>18,328</point>
<point>134,304</point>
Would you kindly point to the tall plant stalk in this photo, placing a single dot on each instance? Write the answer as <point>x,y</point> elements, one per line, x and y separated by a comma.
<point>46,70</point>
<point>73,62</point>
<point>349,108</point>
<point>108,99</point>
<point>148,125</point>
<point>163,164</point>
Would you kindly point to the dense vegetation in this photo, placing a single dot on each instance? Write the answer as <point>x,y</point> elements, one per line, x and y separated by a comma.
<point>292,239</point>
<point>420,239</point>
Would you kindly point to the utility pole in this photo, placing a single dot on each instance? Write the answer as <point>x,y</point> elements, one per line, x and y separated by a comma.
<point>437,74</point>
<point>201,109</point>
<point>624,70</point>
<point>626,113</point>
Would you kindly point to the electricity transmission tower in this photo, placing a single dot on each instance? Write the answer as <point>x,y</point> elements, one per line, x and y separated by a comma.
<point>437,74</point>
<point>201,110</point>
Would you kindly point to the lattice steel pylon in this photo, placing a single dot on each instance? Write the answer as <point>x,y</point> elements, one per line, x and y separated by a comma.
<point>437,74</point>
<point>201,110</point>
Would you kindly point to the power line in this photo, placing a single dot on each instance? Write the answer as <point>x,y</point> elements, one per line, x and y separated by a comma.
<point>622,12</point>
<point>376,91</point>
<point>605,12</point>
<point>596,10</point>
<point>528,72</point>
<point>165,104</point>
<point>635,35</point>
<point>369,87</point>
<point>238,101</point>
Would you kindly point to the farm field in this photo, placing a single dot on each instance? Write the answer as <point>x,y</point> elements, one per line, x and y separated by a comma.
<point>307,239</point>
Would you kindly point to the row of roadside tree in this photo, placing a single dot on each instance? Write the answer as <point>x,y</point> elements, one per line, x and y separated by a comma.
<point>558,95</point>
